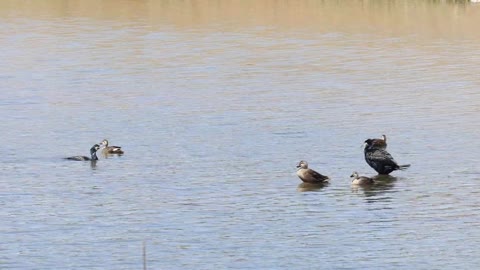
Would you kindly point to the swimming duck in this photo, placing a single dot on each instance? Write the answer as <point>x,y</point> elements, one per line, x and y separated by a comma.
<point>93,154</point>
<point>380,143</point>
<point>361,180</point>
<point>379,159</point>
<point>110,149</point>
<point>308,175</point>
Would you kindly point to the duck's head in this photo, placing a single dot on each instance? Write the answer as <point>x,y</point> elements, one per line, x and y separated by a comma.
<point>302,164</point>
<point>354,175</point>
<point>104,143</point>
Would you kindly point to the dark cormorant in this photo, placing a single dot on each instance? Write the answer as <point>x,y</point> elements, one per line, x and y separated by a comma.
<point>379,159</point>
<point>93,154</point>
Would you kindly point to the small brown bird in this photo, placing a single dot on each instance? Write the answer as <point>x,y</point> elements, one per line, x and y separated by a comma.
<point>380,143</point>
<point>308,175</point>
<point>361,180</point>
<point>110,149</point>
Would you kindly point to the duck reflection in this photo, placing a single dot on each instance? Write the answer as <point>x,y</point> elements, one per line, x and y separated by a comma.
<point>305,187</point>
<point>110,155</point>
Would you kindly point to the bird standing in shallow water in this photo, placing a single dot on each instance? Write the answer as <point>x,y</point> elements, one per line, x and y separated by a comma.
<point>93,155</point>
<point>308,175</point>
<point>379,159</point>
<point>361,180</point>
<point>110,149</point>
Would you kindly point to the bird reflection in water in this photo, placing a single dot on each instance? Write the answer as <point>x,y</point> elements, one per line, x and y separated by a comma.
<point>93,164</point>
<point>305,187</point>
<point>110,155</point>
<point>383,184</point>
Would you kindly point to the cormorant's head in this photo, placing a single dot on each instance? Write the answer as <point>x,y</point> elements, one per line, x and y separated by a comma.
<point>367,143</point>
<point>302,164</point>
<point>94,148</point>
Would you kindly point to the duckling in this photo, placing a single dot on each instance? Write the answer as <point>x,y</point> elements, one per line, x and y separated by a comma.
<point>380,143</point>
<point>361,180</point>
<point>308,175</point>
<point>110,149</point>
<point>93,154</point>
<point>379,159</point>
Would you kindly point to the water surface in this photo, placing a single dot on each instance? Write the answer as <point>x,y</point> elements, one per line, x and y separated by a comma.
<point>214,103</point>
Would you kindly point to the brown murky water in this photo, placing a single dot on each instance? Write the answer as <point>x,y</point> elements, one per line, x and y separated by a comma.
<point>214,103</point>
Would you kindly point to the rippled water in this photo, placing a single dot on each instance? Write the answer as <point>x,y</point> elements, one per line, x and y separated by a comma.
<point>214,103</point>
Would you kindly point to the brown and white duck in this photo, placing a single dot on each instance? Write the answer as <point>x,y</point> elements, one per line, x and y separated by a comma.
<point>361,180</point>
<point>110,149</point>
<point>308,175</point>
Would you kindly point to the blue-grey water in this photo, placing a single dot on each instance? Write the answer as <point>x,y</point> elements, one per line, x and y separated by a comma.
<point>214,103</point>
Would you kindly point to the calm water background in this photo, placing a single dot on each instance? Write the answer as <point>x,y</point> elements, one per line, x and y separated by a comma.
<point>214,103</point>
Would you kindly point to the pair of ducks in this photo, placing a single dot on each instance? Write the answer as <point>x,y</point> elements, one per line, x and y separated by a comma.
<point>93,151</point>
<point>310,176</point>
<point>375,155</point>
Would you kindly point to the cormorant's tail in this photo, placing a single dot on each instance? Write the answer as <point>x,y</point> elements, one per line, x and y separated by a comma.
<point>404,167</point>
